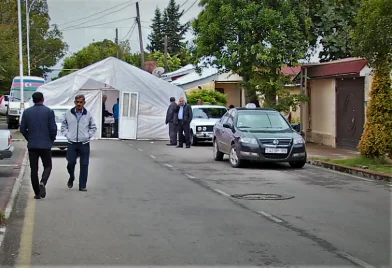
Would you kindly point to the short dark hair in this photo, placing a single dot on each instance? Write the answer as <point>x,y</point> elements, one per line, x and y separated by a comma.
<point>38,97</point>
<point>118,99</point>
<point>172,99</point>
<point>80,96</point>
<point>231,106</point>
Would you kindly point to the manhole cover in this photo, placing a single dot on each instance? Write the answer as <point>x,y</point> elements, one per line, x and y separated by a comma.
<point>262,196</point>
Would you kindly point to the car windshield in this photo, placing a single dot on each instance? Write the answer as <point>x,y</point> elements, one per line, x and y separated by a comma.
<point>26,95</point>
<point>262,120</point>
<point>207,113</point>
<point>59,114</point>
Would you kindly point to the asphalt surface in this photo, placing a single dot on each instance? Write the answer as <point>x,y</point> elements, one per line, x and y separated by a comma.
<point>149,204</point>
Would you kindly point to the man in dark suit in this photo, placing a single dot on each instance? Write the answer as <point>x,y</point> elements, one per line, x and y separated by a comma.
<point>184,115</point>
<point>172,120</point>
<point>39,128</point>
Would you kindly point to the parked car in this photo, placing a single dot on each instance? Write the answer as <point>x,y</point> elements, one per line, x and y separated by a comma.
<point>257,134</point>
<point>6,148</point>
<point>204,119</point>
<point>4,104</point>
<point>61,142</point>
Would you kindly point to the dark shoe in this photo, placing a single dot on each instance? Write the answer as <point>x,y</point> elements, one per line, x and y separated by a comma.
<point>83,189</point>
<point>70,184</point>
<point>42,190</point>
<point>37,197</point>
<point>169,144</point>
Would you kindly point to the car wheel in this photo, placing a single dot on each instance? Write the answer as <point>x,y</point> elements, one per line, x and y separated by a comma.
<point>193,139</point>
<point>233,158</point>
<point>218,155</point>
<point>297,164</point>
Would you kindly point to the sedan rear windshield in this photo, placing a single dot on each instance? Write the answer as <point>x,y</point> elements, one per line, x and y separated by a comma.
<point>261,120</point>
<point>59,114</point>
<point>206,113</point>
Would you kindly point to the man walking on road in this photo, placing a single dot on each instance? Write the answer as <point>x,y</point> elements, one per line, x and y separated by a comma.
<point>171,119</point>
<point>184,115</point>
<point>78,127</point>
<point>39,128</point>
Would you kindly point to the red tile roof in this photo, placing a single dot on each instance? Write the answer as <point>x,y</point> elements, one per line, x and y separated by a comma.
<point>345,67</point>
<point>291,71</point>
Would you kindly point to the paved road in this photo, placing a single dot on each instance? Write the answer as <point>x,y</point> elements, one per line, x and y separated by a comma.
<point>149,204</point>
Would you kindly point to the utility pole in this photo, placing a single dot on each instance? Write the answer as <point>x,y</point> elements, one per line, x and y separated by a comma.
<point>166,65</point>
<point>140,34</point>
<point>117,40</point>
<point>20,59</point>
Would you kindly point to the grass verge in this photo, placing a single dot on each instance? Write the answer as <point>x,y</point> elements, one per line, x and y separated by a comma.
<point>2,217</point>
<point>378,164</point>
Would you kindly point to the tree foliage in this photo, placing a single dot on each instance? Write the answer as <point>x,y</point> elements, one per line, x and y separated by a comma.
<point>372,39</point>
<point>98,51</point>
<point>254,41</point>
<point>157,34</point>
<point>209,96</point>
<point>46,45</point>
<point>332,22</point>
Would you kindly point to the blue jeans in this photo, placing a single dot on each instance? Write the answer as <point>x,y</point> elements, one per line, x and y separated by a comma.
<point>73,151</point>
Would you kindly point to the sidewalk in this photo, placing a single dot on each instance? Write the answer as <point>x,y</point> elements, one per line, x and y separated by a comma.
<point>316,151</point>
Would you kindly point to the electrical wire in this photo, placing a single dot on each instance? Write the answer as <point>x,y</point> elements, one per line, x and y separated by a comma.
<point>72,26</point>
<point>190,7</point>
<point>130,32</point>
<point>184,3</point>
<point>92,26</point>
<point>107,9</point>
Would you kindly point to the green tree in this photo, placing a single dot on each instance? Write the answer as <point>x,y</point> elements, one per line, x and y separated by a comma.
<point>157,35</point>
<point>254,41</point>
<point>173,63</point>
<point>332,21</point>
<point>372,39</point>
<point>209,97</point>
<point>173,28</point>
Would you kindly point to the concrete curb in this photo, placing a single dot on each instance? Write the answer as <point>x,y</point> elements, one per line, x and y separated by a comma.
<point>14,193</point>
<point>365,173</point>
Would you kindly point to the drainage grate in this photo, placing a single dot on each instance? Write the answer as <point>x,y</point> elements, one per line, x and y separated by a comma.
<point>262,196</point>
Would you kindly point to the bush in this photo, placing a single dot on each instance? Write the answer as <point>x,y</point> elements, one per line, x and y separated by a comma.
<point>376,139</point>
<point>209,96</point>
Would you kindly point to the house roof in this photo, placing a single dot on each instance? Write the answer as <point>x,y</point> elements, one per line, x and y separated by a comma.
<point>291,71</point>
<point>344,67</point>
<point>183,70</point>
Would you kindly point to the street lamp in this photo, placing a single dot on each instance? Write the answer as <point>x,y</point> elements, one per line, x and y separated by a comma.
<point>20,58</point>
<point>28,8</point>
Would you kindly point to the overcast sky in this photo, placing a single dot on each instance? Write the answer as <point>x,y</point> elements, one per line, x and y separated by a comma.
<point>81,27</point>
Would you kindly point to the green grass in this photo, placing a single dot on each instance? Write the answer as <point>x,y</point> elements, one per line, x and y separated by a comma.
<point>2,217</point>
<point>377,164</point>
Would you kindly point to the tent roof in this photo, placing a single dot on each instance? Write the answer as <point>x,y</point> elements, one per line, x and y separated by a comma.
<point>115,74</point>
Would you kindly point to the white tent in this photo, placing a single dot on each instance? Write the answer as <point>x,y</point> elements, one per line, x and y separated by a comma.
<point>144,98</point>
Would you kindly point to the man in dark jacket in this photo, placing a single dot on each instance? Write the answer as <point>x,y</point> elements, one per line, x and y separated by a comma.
<point>171,119</point>
<point>39,128</point>
<point>184,115</point>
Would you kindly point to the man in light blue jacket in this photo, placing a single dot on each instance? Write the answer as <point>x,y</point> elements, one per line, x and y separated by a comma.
<point>78,127</point>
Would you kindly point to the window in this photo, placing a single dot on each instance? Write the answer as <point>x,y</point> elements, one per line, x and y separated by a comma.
<point>261,120</point>
<point>221,90</point>
<point>207,113</point>
<point>125,109</point>
<point>133,105</point>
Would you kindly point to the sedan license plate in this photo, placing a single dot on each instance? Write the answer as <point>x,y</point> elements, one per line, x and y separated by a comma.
<point>275,151</point>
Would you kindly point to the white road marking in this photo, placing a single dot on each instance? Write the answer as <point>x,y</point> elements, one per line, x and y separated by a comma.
<point>170,166</point>
<point>140,150</point>
<point>269,216</point>
<point>190,176</point>
<point>354,260</point>
<point>221,192</point>
<point>130,144</point>
<point>9,165</point>
<point>152,156</point>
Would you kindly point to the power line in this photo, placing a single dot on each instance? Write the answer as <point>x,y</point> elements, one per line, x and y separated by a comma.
<point>107,9</point>
<point>184,3</point>
<point>190,7</point>
<point>96,18</point>
<point>130,30</point>
<point>92,26</point>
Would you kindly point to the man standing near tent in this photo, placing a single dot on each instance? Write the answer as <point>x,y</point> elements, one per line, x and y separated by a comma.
<point>78,127</point>
<point>116,108</point>
<point>184,115</point>
<point>38,126</point>
<point>105,113</point>
<point>171,119</point>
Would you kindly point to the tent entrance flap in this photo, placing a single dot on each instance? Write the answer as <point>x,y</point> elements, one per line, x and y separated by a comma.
<point>129,105</point>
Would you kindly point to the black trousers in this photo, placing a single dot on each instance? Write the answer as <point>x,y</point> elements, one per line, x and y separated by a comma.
<point>46,158</point>
<point>183,128</point>
<point>116,128</point>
